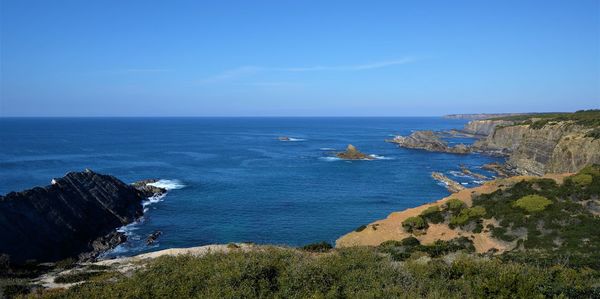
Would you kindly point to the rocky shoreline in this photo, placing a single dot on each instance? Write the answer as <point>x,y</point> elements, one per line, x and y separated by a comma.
<point>76,216</point>
<point>429,141</point>
<point>533,144</point>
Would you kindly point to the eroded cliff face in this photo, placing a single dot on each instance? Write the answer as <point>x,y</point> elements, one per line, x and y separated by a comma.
<point>484,127</point>
<point>554,148</point>
<point>63,219</point>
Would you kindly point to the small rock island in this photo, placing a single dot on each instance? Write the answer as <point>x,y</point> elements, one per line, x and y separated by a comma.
<point>352,153</point>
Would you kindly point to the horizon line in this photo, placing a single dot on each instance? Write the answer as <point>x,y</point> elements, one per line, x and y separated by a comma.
<point>266,116</point>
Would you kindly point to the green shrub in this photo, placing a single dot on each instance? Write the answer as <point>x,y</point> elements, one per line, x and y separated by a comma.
<point>500,233</point>
<point>410,241</point>
<point>455,205</point>
<point>593,170</point>
<point>532,203</point>
<point>595,133</point>
<point>414,223</point>
<point>317,247</point>
<point>582,179</point>
<point>433,214</point>
<point>466,215</point>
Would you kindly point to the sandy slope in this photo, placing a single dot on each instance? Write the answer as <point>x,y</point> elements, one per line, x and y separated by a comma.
<point>391,227</point>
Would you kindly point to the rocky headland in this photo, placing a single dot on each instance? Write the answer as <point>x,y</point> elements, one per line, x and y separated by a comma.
<point>534,144</point>
<point>429,141</point>
<point>76,215</point>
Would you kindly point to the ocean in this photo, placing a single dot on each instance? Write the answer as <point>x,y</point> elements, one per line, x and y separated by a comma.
<point>232,179</point>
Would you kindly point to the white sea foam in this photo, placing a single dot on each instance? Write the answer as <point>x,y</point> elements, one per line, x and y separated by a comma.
<point>378,157</point>
<point>327,149</point>
<point>296,139</point>
<point>129,228</point>
<point>168,184</point>
<point>459,174</point>
<point>329,159</point>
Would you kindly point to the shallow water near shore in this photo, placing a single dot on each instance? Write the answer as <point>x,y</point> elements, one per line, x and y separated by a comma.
<point>232,179</point>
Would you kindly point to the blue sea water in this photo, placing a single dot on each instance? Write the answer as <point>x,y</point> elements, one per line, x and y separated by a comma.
<point>234,180</point>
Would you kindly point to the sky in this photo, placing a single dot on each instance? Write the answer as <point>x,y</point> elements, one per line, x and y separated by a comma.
<point>297,58</point>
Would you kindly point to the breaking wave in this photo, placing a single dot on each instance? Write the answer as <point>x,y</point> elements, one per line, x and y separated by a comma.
<point>168,184</point>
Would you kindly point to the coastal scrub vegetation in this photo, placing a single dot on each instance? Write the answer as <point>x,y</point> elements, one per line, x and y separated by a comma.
<point>466,215</point>
<point>549,221</point>
<point>433,214</point>
<point>587,118</point>
<point>359,272</point>
<point>413,224</point>
<point>532,203</point>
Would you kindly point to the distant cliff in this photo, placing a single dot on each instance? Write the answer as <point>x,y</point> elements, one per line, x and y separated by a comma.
<point>480,115</point>
<point>553,144</point>
<point>484,126</point>
<point>64,219</point>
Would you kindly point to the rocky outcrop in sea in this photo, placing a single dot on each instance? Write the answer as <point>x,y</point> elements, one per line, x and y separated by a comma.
<point>76,214</point>
<point>450,184</point>
<point>352,153</point>
<point>429,141</point>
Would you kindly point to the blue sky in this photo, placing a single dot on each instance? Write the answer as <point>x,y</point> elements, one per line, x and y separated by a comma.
<point>297,58</point>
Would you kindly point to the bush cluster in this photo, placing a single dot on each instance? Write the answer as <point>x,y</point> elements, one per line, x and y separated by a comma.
<point>467,215</point>
<point>532,203</point>
<point>347,273</point>
<point>413,224</point>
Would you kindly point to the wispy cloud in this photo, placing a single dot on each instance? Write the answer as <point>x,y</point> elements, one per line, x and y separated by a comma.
<point>251,70</point>
<point>135,71</point>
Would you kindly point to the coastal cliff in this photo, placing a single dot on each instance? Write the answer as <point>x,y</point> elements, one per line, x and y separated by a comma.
<point>534,144</point>
<point>485,126</point>
<point>554,147</point>
<point>76,213</point>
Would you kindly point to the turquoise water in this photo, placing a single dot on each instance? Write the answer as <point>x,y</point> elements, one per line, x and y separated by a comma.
<point>234,180</point>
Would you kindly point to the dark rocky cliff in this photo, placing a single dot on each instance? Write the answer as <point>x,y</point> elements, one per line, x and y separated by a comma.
<point>64,219</point>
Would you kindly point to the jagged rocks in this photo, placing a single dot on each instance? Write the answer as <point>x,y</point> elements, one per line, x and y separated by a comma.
<point>65,218</point>
<point>102,244</point>
<point>146,188</point>
<point>429,141</point>
<point>352,153</point>
<point>450,184</point>
<point>468,172</point>
<point>153,237</point>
